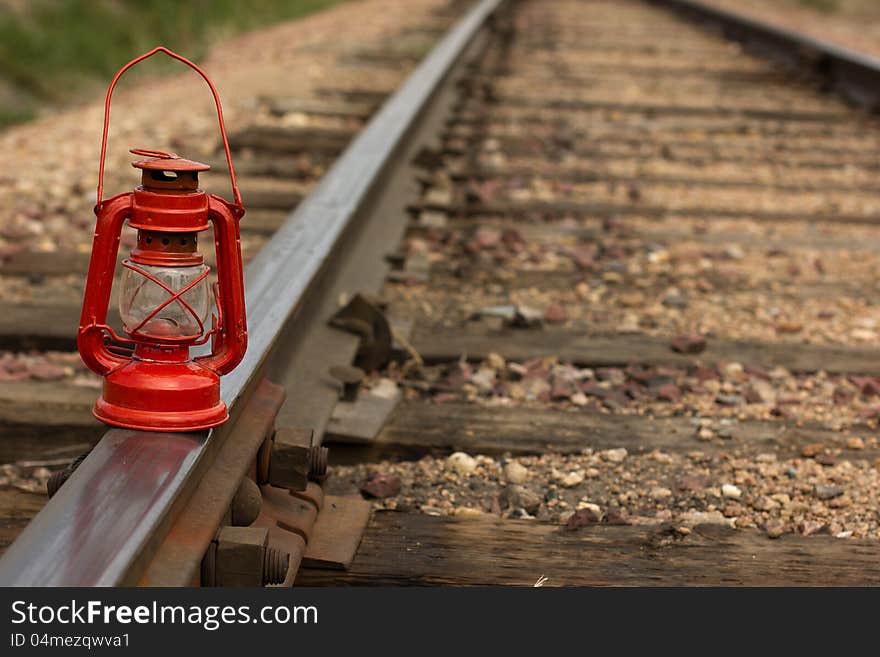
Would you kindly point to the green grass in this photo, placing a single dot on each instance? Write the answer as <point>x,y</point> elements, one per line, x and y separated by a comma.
<point>827,6</point>
<point>58,50</point>
<point>11,116</point>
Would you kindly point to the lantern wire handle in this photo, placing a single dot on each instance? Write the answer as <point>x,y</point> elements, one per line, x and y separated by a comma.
<point>204,75</point>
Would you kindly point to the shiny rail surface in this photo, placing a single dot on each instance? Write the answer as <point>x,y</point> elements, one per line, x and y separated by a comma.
<point>102,528</point>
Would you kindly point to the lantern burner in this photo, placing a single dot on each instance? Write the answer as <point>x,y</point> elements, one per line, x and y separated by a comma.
<point>167,249</point>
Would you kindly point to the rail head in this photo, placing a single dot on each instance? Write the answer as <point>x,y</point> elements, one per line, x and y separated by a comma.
<point>103,526</point>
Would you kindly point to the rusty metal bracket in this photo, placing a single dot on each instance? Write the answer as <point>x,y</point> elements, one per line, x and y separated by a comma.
<point>317,531</point>
<point>337,532</point>
<point>363,316</point>
<point>289,521</point>
<point>264,530</point>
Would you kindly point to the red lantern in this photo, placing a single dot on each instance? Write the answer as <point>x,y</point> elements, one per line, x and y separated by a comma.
<point>150,380</point>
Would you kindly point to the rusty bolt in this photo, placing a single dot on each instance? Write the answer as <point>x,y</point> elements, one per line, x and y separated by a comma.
<point>275,565</point>
<point>350,377</point>
<point>318,462</point>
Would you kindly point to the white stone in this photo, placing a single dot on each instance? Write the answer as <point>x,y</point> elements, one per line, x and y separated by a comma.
<point>734,252</point>
<point>495,361</point>
<point>584,374</point>
<point>572,479</point>
<point>614,455</point>
<point>484,378</point>
<point>629,323</point>
<point>515,473</point>
<point>659,256</point>
<point>734,371</point>
<point>462,463</point>
<point>729,490</point>
<point>595,508</point>
<point>386,389</point>
<point>661,457</point>
<point>693,518</point>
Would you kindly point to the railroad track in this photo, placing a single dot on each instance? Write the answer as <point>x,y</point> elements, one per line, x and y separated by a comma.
<point>612,280</point>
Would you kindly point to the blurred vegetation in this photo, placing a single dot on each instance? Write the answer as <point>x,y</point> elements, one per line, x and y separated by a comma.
<point>53,51</point>
<point>827,6</point>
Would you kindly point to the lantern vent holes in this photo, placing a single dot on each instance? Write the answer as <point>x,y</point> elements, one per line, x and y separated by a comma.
<point>167,249</point>
<point>168,179</point>
<point>183,241</point>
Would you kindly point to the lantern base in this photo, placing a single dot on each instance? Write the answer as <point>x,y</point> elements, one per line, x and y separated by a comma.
<point>151,396</point>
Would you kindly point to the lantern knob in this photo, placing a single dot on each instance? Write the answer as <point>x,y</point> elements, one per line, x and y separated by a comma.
<point>149,152</point>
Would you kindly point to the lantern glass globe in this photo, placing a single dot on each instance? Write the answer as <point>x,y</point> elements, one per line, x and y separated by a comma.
<point>140,297</point>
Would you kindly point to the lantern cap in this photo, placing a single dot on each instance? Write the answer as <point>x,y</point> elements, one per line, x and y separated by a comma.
<point>161,161</point>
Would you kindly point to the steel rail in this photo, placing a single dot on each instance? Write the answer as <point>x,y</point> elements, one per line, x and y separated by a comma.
<point>853,74</point>
<point>105,524</point>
